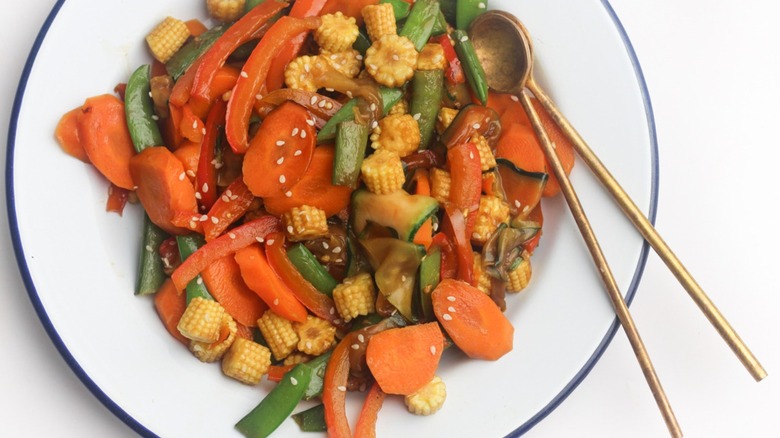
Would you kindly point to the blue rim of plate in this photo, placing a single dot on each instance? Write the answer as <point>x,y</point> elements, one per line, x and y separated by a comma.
<point>140,428</point>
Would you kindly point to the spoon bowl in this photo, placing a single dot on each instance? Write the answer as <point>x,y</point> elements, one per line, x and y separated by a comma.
<point>504,49</point>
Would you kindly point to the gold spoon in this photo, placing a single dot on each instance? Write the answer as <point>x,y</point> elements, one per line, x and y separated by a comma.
<point>504,46</point>
<point>506,54</point>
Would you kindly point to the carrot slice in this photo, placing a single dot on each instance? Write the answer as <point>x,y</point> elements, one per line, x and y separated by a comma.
<point>509,109</point>
<point>473,321</point>
<point>67,135</point>
<point>224,80</point>
<point>403,360</point>
<point>191,126</point>
<point>163,187</point>
<point>170,306</point>
<point>280,152</point>
<point>195,26</point>
<point>259,276</point>
<point>224,282</point>
<point>189,155</point>
<point>518,144</point>
<point>315,188</point>
<point>103,133</point>
<point>366,425</point>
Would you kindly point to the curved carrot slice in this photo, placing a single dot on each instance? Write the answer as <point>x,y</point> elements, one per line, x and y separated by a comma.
<point>472,319</point>
<point>103,133</point>
<point>315,188</point>
<point>259,276</point>
<point>170,306</point>
<point>189,155</point>
<point>239,237</point>
<point>67,135</point>
<point>280,152</point>
<point>224,282</point>
<point>403,360</point>
<point>163,187</point>
<point>518,144</point>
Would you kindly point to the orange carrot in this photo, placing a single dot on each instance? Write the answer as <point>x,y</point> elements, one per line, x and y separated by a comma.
<point>509,109</point>
<point>518,144</point>
<point>366,424</point>
<point>224,80</point>
<point>191,126</point>
<point>170,131</point>
<point>259,276</point>
<point>67,135</point>
<point>403,360</point>
<point>473,321</point>
<point>563,148</point>
<point>170,306</point>
<point>424,235</point>
<point>315,188</point>
<point>103,133</point>
<point>163,187</point>
<point>224,282</point>
<point>195,26</point>
<point>189,155</point>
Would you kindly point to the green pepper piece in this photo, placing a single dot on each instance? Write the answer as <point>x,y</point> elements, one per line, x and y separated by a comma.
<point>277,405</point>
<point>351,141</point>
<point>467,10</point>
<point>419,24</point>
<point>475,74</point>
<point>390,96</point>
<point>362,43</point>
<point>449,9</point>
<point>430,276</point>
<point>400,8</point>
<point>139,110</point>
<point>184,57</point>
<point>317,381</point>
<point>150,270</point>
<point>188,245</point>
<point>427,92</point>
<point>311,269</point>
<point>251,4</point>
<point>312,419</point>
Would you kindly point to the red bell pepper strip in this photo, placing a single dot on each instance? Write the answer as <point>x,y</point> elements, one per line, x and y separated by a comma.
<point>117,199</point>
<point>334,389</point>
<point>454,72</point>
<point>454,226</point>
<point>366,425</point>
<point>239,237</point>
<point>253,76</point>
<point>206,176</point>
<point>276,372</point>
<point>188,220</point>
<point>537,216</point>
<point>300,9</point>
<point>231,206</point>
<point>240,32</point>
<point>317,302</point>
<point>449,258</point>
<point>466,186</point>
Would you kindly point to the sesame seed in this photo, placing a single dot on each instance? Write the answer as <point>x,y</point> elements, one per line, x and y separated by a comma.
<point>355,347</point>
<point>526,208</point>
<point>191,174</point>
<point>446,317</point>
<point>182,176</point>
<point>338,260</point>
<point>259,239</point>
<point>328,105</point>
<point>306,68</point>
<point>342,388</point>
<point>482,5</point>
<point>471,155</point>
<point>280,160</point>
<point>435,226</point>
<point>361,338</point>
<point>244,74</point>
<point>515,98</point>
<point>359,57</point>
<point>282,179</point>
<point>517,203</point>
<point>280,143</point>
<point>295,131</point>
<point>203,131</point>
<point>373,107</point>
<point>288,194</point>
<point>225,198</point>
<point>336,250</point>
<point>349,94</point>
<point>332,310</point>
<point>417,117</point>
<point>396,58</point>
<point>433,350</point>
<point>475,236</point>
<point>476,126</point>
<point>290,229</point>
<point>451,299</point>
<point>325,245</point>
<point>214,220</point>
<point>199,280</point>
<point>270,242</point>
<point>374,124</point>
<point>293,380</point>
<point>373,67</point>
<point>204,218</point>
<point>205,188</point>
<point>298,153</point>
<point>232,235</point>
<point>330,89</point>
<point>313,100</point>
<point>464,38</point>
<point>259,96</point>
<point>276,301</point>
<point>451,309</point>
<point>198,195</point>
<point>310,122</point>
<point>150,94</point>
<point>322,104</point>
<point>195,124</point>
<point>149,248</point>
<point>155,117</point>
<point>193,225</point>
<point>303,134</point>
<point>309,345</point>
<point>403,278</point>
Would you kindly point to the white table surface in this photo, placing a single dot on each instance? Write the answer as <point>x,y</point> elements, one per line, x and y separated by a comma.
<point>713,69</point>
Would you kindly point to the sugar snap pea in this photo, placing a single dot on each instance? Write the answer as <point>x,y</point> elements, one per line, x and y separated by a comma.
<point>475,74</point>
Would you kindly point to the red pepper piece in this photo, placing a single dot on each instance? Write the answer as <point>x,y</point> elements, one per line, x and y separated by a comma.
<point>117,199</point>
<point>240,32</point>
<point>449,258</point>
<point>454,226</point>
<point>366,425</point>
<point>231,206</point>
<point>253,77</point>
<point>466,186</point>
<point>334,389</point>
<point>206,177</point>
<point>454,72</point>
<point>239,237</point>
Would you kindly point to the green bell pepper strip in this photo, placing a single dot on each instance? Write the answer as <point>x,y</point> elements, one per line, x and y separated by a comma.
<point>362,43</point>
<point>390,96</point>
<point>184,57</point>
<point>317,368</point>
<point>427,92</point>
<point>475,74</point>
<point>277,405</point>
<point>400,8</point>
<point>419,24</point>
<point>351,141</point>
<point>467,10</point>
<point>139,112</point>
<point>312,419</point>
<point>150,269</point>
<point>311,269</point>
<point>188,245</point>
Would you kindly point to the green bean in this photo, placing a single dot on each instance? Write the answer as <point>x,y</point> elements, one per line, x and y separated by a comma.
<point>475,74</point>
<point>311,269</point>
<point>390,96</point>
<point>467,10</point>
<point>188,245</point>
<point>150,269</point>
<point>400,8</point>
<point>419,24</point>
<point>427,92</point>
<point>184,57</point>
<point>139,110</point>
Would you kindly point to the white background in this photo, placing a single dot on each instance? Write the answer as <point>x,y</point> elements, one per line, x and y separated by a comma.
<point>713,69</point>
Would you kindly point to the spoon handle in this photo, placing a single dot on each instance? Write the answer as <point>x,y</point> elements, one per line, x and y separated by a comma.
<point>650,234</point>
<point>621,309</point>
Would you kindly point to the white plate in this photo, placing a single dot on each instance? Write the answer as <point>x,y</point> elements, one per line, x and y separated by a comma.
<point>79,262</point>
